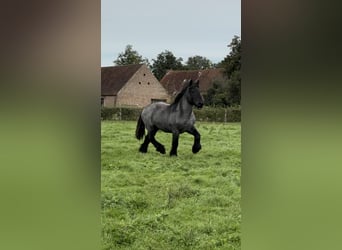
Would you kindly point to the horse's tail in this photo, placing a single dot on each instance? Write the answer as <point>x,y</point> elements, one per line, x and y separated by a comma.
<point>140,130</point>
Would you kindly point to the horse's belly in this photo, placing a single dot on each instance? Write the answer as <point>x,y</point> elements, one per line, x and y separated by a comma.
<point>163,127</point>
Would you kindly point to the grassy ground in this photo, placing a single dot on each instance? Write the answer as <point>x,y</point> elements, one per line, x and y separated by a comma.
<point>153,201</point>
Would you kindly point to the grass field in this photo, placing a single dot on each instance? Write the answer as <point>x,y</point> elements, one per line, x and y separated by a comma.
<point>154,201</point>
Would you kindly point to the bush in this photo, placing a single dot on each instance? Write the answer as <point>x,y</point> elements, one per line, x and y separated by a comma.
<point>120,113</point>
<point>209,114</point>
<point>218,114</point>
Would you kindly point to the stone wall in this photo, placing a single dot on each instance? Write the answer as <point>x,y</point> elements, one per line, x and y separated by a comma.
<point>109,101</point>
<point>141,89</point>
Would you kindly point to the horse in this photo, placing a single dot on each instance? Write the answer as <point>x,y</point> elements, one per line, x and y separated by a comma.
<point>175,118</point>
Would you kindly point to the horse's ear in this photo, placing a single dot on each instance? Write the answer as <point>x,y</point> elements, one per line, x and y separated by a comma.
<point>197,83</point>
<point>190,82</point>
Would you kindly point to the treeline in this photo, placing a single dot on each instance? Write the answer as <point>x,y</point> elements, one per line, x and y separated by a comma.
<point>223,94</point>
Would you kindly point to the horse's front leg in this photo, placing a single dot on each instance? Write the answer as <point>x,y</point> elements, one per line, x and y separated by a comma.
<point>175,138</point>
<point>197,139</point>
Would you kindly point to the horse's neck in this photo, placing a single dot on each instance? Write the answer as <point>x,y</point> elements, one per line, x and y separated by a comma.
<point>185,107</point>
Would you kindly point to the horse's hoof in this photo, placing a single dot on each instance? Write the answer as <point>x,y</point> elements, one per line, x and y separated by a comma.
<point>161,150</point>
<point>143,150</point>
<point>173,154</point>
<point>196,148</point>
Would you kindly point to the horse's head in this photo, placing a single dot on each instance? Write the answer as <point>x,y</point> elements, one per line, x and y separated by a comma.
<point>195,97</point>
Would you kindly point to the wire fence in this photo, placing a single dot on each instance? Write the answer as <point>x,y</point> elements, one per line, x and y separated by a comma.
<point>209,114</point>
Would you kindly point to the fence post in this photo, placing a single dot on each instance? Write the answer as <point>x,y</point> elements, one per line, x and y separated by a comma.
<point>225,115</point>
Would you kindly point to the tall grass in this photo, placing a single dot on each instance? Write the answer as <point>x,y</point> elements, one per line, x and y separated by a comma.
<point>153,201</point>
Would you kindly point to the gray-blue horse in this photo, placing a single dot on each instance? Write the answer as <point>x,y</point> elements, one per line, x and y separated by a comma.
<point>175,118</point>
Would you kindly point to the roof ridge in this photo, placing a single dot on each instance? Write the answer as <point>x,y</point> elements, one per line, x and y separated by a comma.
<point>128,65</point>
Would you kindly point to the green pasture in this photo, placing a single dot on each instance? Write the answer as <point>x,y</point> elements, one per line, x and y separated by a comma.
<point>154,201</point>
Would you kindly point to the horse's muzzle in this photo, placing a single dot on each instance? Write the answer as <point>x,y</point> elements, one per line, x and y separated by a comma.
<point>199,105</point>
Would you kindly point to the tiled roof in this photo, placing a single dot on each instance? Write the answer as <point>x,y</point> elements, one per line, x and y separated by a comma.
<point>113,78</point>
<point>173,79</point>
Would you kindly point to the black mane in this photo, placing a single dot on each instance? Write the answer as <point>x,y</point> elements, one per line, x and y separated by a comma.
<point>180,95</point>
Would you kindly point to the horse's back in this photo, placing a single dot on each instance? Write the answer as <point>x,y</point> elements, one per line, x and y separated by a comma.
<point>155,112</point>
<point>153,108</point>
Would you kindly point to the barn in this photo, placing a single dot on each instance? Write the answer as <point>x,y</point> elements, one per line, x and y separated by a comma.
<point>130,85</point>
<point>173,79</point>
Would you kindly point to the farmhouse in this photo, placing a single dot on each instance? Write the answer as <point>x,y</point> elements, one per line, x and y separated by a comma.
<point>173,79</point>
<point>130,85</point>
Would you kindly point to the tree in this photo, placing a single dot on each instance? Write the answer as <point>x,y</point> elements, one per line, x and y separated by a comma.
<point>232,88</point>
<point>164,62</point>
<point>217,95</point>
<point>130,56</point>
<point>232,62</point>
<point>198,62</point>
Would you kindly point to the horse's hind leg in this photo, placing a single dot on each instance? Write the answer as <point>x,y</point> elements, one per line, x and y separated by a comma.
<point>159,147</point>
<point>197,140</point>
<point>144,146</point>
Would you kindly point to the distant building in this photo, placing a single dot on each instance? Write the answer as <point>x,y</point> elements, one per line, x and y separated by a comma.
<point>173,79</point>
<point>130,85</point>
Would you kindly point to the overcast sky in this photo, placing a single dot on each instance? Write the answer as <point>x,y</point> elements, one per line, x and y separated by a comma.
<point>184,27</point>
